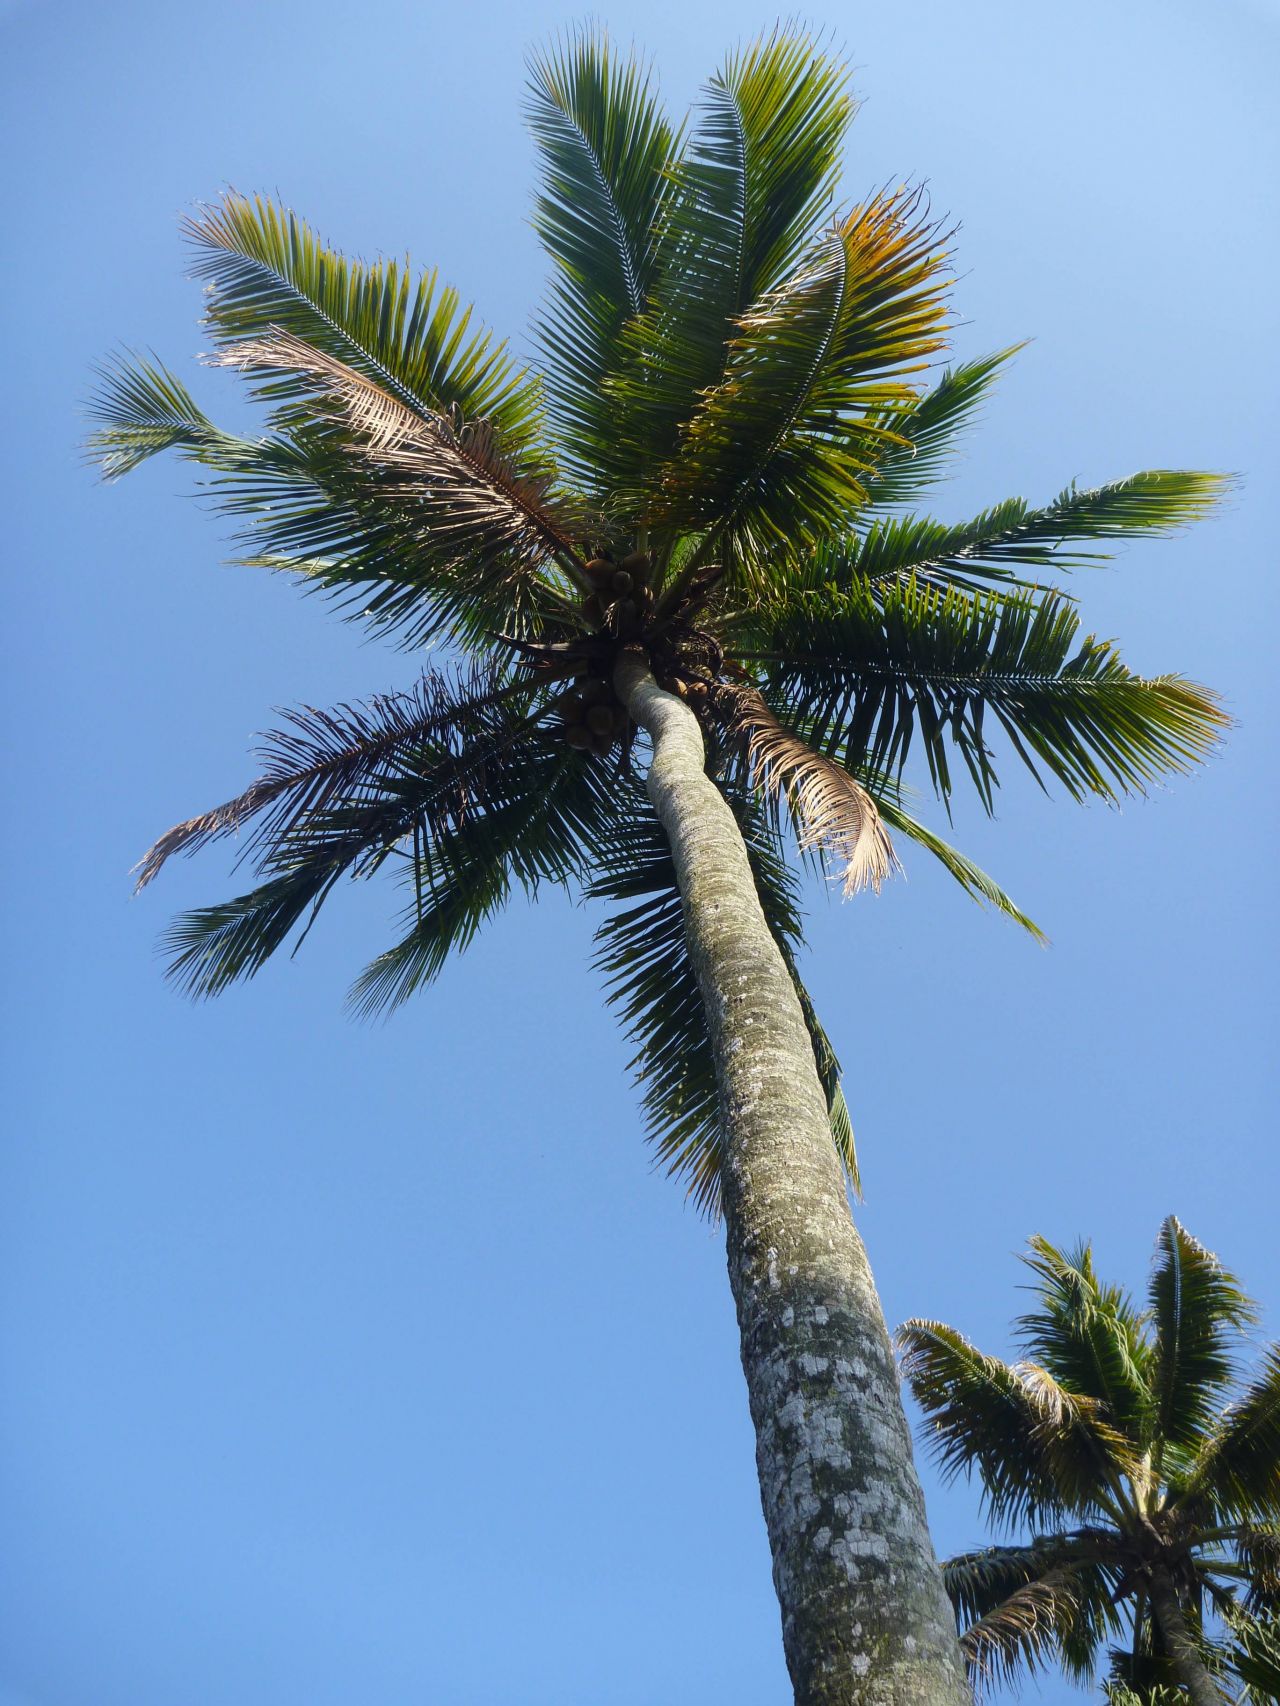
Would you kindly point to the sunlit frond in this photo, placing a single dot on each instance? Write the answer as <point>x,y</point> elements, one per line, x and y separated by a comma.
<point>267,272</point>
<point>1238,1467</point>
<point>1199,1312</point>
<point>1038,1451</point>
<point>926,433</point>
<point>464,485</point>
<point>757,174</point>
<point>1089,1336</point>
<point>771,460</point>
<point>877,672</point>
<point>142,409</point>
<point>607,151</point>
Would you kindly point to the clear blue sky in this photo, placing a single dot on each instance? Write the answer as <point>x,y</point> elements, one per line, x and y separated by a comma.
<point>373,1363</point>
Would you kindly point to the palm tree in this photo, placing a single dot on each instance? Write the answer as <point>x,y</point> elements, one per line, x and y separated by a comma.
<point>1149,1475</point>
<point>687,535</point>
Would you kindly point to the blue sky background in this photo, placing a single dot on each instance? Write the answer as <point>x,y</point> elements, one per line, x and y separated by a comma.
<point>372,1363</point>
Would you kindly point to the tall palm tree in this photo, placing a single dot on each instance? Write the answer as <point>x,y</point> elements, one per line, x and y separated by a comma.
<point>686,538</point>
<point>1149,1473</point>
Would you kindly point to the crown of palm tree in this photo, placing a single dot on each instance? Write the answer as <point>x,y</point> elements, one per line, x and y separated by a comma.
<point>715,461</point>
<point>1128,1440</point>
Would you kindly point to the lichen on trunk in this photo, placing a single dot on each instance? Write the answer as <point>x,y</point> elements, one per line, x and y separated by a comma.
<point>865,1617</point>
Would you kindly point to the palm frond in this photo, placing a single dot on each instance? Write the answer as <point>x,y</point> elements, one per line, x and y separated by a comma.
<point>1258,1547</point>
<point>1254,1656</point>
<point>342,793</point>
<point>868,673</point>
<point>831,809</point>
<point>1038,1451</point>
<point>1063,1610</point>
<point>756,175</point>
<point>267,272</point>
<point>143,409</point>
<point>978,1582</point>
<point>994,547</point>
<point>1238,1468</point>
<point>1200,1312</point>
<point>468,491</point>
<point>774,455</point>
<point>541,829</point>
<point>1089,1336</point>
<point>925,434</point>
<point>322,760</point>
<point>972,878</point>
<point>607,151</point>
<point>309,508</point>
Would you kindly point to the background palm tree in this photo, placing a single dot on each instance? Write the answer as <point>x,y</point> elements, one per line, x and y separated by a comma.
<point>688,530</point>
<point>1149,1474</point>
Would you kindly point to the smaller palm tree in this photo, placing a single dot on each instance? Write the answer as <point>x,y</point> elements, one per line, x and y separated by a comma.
<point>1146,1471</point>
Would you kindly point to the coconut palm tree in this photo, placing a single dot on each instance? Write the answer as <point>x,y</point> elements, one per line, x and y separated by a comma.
<point>694,622</point>
<point>1148,1472</point>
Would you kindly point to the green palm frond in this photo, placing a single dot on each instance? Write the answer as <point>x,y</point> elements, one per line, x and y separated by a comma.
<point>341,793</point>
<point>267,272</point>
<point>1038,1451</point>
<point>541,827</point>
<point>1089,1336</point>
<point>1254,1656</point>
<point>310,508</point>
<point>773,456</point>
<point>870,673</point>
<point>326,761</point>
<point>1238,1468</point>
<point>649,978</point>
<point>1199,1313</point>
<point>757,174</point>
<point>995,546</point>
<point>925,434</point>
<point>972,878</point>
<point>143,409</point>
<point>607,151</point>
<point>1257,1545</point>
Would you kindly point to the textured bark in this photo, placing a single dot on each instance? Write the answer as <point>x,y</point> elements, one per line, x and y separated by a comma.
<point>1184,1655</point>
<point>865,1618</point>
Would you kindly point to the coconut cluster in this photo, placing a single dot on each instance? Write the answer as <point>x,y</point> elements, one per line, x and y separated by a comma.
<point>623,598</point>
<point>592,716</point>
<point>622,610</point>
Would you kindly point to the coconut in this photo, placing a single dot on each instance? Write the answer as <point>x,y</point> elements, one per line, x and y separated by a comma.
<point>600,720</point>
<point>636,564</point>
<point>579,736</point>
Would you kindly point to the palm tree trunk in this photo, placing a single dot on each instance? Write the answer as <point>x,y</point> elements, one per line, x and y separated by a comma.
<point>1184,1655</point>
<point>865,1618</point>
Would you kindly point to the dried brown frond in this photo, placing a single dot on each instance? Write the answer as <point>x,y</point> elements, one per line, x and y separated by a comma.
<point>832,811</point>
<point>457,466</point>
<point>1020,1631</point>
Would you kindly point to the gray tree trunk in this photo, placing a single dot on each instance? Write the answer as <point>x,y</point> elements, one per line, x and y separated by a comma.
<point>865,1618</point>
<point>1184,1654</point>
